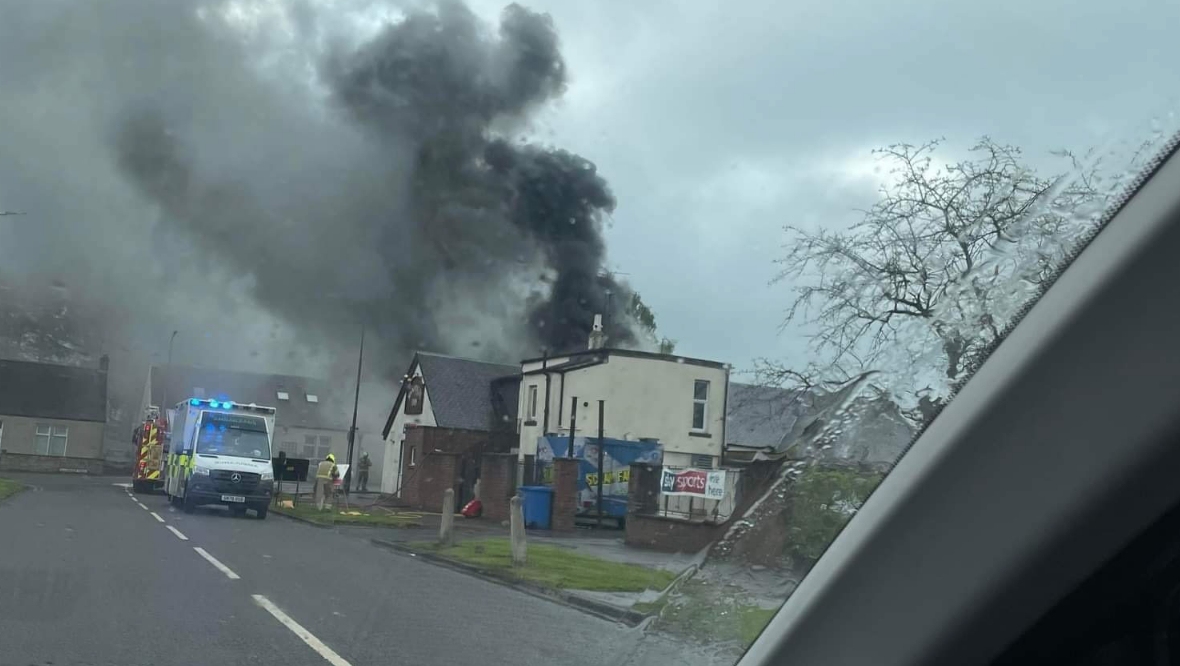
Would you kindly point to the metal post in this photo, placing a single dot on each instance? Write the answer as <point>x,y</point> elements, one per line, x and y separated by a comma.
<point>167,373</point>
<point>355,403</point>
<point>544,367</point>
<point>573,421</point>
<point>601,458</point>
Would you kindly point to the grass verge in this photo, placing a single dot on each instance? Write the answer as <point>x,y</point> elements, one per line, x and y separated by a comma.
<point>709,614</point>
<point>553,567</point>
<point>354,517</point>
<point>8,488</point>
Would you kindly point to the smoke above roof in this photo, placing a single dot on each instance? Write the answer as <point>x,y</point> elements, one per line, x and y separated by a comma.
<point>267,176</point>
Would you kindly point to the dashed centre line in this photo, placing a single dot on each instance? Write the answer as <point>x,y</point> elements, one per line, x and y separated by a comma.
<point>157,517</point>
<point>217,563</point>
<point>179,535</point>
<point>306,636</point>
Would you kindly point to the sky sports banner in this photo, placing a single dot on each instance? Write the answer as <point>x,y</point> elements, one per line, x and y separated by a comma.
<point>709,484</point>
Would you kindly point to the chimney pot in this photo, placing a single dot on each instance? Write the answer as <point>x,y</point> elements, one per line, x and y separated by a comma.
<point>597,336</point>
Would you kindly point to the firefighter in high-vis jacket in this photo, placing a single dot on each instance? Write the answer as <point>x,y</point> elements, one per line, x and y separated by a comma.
<point>325,480</point>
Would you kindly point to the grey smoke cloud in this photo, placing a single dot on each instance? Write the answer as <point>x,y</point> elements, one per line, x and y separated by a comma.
<point>269,194</point>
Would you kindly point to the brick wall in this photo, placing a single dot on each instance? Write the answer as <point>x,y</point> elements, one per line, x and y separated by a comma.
<point>26,462</point>
<point>438,455</point>
<point>671,535</point>
<point>643,490</point>
<point>497,484</point>
<point>565,494</point>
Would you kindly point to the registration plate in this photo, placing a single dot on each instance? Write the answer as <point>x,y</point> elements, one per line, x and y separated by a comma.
<point>232,498</point>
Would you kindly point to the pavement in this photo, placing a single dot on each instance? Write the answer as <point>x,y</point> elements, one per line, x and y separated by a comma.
<point>91,573</point>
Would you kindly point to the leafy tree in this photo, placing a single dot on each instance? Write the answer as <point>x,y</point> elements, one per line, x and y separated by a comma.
<point>646,319</point>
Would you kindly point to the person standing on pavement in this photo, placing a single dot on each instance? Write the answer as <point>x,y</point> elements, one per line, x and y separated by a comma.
<point>325,478</point>
<point>362,480</point>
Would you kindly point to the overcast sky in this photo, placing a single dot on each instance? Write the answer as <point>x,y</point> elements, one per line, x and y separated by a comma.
<point>716,123</point>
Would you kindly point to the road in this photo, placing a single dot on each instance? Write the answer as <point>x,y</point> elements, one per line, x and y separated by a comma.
<point>91,573</point>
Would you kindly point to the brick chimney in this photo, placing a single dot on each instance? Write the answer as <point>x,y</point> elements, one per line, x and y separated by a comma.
<point>597,336</point>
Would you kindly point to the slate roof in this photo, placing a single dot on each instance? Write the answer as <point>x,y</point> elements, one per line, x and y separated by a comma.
<point>461,393</point>
<point>847,424</point>
<point>330,413</point>
<point>466,393</point>
<point>763,416</point>
<point>51,391</point>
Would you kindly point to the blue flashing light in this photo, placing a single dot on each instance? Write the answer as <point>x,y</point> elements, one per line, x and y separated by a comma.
<point>194,402</point>
<point>214,404</point>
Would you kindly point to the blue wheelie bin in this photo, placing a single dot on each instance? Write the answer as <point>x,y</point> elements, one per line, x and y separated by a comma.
<point>537,506</point>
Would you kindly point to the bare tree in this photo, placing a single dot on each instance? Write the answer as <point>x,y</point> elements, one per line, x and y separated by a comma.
<point>934,271</point>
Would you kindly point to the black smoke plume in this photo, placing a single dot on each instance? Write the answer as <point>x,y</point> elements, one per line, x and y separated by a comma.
<point>448,191</point>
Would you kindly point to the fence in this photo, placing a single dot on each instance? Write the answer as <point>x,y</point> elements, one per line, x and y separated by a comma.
<point>699,507</point>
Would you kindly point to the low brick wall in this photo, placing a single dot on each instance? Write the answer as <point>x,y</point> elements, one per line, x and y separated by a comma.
<point>27,462</point>
<point>565,494</point>
<point>670,535</point>
<point>497,483</point>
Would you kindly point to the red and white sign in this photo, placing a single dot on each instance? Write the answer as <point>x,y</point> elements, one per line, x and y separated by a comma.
<point>709,484</point>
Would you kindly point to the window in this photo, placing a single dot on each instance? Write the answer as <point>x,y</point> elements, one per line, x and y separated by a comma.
<point>52,439</point>
<point>311,397</point>
<point>283,395</point>
<point>532,403</point>
<point>309,444</point>
<point>700,402</point>
<point>290,448</point>
<point>702,461</point>
<point>325,447</point>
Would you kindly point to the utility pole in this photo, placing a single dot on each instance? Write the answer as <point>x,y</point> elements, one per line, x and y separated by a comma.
<point>167,377</point>
<point>356,400</point>
<point>601,457</point>
<point>573,422</point>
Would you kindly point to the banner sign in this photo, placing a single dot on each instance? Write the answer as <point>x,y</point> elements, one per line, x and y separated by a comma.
<point>709,484</point>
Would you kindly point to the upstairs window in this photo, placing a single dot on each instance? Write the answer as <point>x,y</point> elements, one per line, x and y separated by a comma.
<point>700,404</point>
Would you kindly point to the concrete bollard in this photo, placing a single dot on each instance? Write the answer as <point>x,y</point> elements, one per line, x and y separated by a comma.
<point>446,528</point>
<point>516,532</point>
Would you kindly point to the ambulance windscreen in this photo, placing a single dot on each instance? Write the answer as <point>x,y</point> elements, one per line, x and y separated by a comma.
<point>239,435</point>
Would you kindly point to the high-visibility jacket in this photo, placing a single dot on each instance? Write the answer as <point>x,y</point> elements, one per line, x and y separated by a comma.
<point>326,470</point>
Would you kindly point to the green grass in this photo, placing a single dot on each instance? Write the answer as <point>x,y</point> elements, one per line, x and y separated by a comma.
<point>554,567</point>
<point>335,517</point>
<point>709,614</point>
<point>9,488</point>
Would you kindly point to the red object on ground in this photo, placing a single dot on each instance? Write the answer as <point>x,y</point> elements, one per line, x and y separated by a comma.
<point>473,509</point>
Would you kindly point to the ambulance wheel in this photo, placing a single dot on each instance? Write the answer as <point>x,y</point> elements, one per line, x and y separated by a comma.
<point>261,511</point>
<point>139,486</point>
<point>188,504</point>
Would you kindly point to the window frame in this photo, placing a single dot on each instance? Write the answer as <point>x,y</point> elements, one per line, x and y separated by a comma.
<point>50,434</point>
<point>703,402</point>
<point>531,403</point>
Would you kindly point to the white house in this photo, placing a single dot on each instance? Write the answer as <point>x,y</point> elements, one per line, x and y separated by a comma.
<point>676,400</point>
<point>446,392</point>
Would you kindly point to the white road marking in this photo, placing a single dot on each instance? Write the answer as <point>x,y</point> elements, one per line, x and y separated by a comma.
<point>314,643</point>
<point>217,563</point>
<point>157,516</point>
<point>125,486</point>
<point>178,533</point>
<point>143,506</point>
